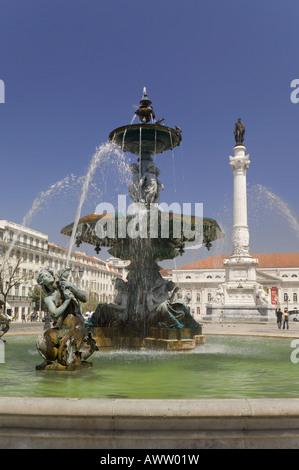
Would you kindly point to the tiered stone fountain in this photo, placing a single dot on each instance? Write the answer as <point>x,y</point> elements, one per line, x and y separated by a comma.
<point>145,311</point>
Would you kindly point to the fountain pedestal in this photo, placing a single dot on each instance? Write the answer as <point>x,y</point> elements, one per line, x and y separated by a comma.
<point>173,340</point>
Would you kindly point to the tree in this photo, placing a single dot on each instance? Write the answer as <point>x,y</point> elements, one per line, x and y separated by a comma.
<point>10,276</point>
<point>37,296</point>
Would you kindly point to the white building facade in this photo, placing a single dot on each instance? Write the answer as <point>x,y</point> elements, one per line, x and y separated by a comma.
<point>278,273</point>
<point>93,275</point>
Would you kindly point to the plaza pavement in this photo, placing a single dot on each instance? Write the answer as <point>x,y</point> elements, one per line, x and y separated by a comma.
<point>266,329</point>
<point>209,328</point>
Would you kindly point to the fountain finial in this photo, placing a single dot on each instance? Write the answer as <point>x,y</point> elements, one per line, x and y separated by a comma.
<point>145,111</point>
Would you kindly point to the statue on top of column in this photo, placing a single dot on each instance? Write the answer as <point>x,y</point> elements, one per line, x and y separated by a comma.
<point>239,132</point>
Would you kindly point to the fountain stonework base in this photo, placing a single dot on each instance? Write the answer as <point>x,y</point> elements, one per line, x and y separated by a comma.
<point>159,338</point>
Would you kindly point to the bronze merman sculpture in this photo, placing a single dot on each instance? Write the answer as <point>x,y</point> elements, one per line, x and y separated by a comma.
<point>68,344</point>
<point>4,324</point>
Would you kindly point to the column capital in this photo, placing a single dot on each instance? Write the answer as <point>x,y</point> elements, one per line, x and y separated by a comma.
<point>239,161</point>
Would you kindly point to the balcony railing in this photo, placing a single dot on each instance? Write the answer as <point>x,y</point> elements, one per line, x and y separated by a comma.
<point>21,298</point>
<point>30,246</point>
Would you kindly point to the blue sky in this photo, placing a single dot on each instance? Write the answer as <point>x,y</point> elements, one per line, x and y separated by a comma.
<point>74,70</point>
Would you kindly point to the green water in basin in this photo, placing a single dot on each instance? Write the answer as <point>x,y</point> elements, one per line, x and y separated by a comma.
<point>224,367</point>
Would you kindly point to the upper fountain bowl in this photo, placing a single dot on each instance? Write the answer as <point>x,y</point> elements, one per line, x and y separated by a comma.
<point>145,140</point>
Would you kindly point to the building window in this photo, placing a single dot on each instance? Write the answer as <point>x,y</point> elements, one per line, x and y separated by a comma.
<point>188,277</point>
<point>285,297</point>
<point>209,277</point>
<point>285,275</point>
<point>198,298</point>
<point>294,297</point>
<point>294,275</point>
<point>209,297</point>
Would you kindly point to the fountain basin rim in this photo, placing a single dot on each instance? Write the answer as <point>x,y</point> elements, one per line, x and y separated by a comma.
<point>57,423</point>
<point>165,246</point>
<point>133,144</point>
<point>94,218</point>
<point>123,407</point>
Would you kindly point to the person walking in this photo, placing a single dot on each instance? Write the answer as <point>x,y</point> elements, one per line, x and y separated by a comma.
<point>23,317</point>
<point>279,318</point>
<point>285,319</point>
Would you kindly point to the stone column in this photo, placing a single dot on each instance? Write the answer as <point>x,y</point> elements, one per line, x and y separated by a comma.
<point>242,293</point>
<point>240,265</point>
<point>240,163</point>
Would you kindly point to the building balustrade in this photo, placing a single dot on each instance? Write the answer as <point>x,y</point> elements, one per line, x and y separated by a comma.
<point>30,246</point>
<point>22,298</point>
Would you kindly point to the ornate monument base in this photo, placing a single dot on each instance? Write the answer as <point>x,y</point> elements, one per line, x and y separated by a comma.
<point>240,313</point>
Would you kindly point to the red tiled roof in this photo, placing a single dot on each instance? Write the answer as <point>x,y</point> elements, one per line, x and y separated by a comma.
<point>271,260</point>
